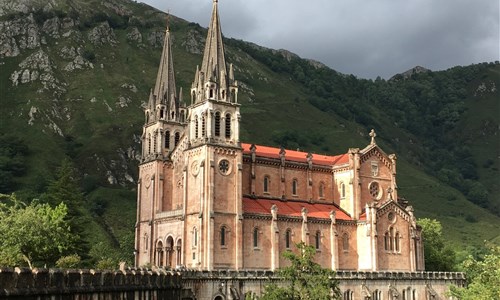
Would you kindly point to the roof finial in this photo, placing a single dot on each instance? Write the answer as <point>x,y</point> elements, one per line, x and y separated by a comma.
<point>373,135</point>
<point>168,20</point>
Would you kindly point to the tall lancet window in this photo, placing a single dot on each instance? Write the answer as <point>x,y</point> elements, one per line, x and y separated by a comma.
<point>149,143</point>
<point>203,126</point>
<point>217,124</point>
<point>196,128</point>
<point>228,126</point>
<point>176,138</point>
<point>167,139</point>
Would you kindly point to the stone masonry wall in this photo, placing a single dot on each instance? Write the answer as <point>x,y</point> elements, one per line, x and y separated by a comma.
<point>55,284</point>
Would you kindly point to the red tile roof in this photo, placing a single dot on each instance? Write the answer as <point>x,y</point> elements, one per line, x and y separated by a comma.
<point>292,208</point>
<point>298,156</point>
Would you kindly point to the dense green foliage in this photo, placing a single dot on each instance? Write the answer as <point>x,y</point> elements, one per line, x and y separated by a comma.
<point>438,255</point>
<point>483,276</point>
<point>442,125</point>
<point>34,234</point>
<point>306,279</point>
<point>12,162</point>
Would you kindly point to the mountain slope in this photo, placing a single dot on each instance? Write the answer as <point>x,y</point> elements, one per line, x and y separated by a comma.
<point>75,75</point>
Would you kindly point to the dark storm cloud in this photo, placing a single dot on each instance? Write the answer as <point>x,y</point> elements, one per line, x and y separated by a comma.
<point>364,38</point>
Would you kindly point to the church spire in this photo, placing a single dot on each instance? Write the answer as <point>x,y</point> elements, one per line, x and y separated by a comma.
<point>212,80</point>
<point>165,90</point>
<point>214,62</point>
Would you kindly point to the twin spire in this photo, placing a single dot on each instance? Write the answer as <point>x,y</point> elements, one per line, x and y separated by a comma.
<point>212,81</point>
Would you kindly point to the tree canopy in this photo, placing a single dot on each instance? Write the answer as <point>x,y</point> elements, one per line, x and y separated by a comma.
<point>438,256</point>
<point>33,234</point>
<point>483,276</point>
<point>307,279</point>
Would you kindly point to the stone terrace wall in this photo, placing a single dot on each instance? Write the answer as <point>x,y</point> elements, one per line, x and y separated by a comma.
<point>24,283</point>
<point>140,284</point>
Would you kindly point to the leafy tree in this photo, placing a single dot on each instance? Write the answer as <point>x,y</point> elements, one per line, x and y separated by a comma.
<point>65,189</point>
<point>34,233</point>
<point>438,256</point>
<point>308,280</point>
<point>483,277</point>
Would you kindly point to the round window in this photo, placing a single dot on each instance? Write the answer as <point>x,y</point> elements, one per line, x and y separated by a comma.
<point>374,188</point>
<point>224,167</point>
<point>391,216</point>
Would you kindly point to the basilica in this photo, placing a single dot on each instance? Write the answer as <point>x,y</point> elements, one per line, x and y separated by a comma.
<point>208,201</point>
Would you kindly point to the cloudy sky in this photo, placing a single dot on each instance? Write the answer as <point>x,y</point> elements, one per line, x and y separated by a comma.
<point>366,38</point>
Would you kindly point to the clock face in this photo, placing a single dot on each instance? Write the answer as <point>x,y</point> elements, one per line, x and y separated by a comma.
<point>224,167</point>
<point>195,168</point>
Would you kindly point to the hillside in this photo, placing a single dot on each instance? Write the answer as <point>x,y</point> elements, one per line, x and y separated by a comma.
<point>75,74</point>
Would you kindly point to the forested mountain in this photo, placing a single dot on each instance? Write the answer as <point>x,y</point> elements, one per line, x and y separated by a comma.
<point>75,74</point>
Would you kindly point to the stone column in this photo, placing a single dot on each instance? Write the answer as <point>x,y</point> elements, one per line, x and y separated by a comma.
<point>305,230</point>
<point>275,238</point>
<point>334,249</point>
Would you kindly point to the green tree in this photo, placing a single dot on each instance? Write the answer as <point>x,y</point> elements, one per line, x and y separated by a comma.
<point>33,234</point>
<point>438,256</point>
<point>308,280</point>
<point>483,277</point>
<point>66,189</point>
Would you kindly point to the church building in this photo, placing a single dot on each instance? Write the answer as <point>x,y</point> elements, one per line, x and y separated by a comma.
<point>208,201</point>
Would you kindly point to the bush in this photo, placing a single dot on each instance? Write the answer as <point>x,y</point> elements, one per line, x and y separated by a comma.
<point>68,262</point>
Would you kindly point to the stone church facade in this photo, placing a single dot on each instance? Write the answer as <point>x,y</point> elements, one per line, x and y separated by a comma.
<point>208,201</point>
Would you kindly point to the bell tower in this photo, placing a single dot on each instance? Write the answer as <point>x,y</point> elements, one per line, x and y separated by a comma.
<point>164,127</point>
<point>214,157</point>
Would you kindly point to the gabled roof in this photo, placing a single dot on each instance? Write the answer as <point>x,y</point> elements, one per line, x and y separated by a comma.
<point>297,156</point>
<point>292,208</point>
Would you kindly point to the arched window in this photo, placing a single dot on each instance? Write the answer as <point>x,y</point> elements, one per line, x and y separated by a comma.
<point>396,242</point>
<point>294,187</point>
<point>217,124</point>
<point>391,241</point>
<point>159,254</point>
<point>161,113</point>
<point>176,138</point>
<point>223,236</point>
<point>182,116</point>
<point>266,184</point>
<point>203,126</point>
<point>386,241</point>
<point>211,93</point>
<point>172,115</point>
<point>256,237</point>
<point>167,139</point>
<point>193,97</point>
<point>288,238</point>
<point>342,190</point>
<point>155,142</point>
<point>228,126</point>
<point>196,128</point>
<point>345,242</point>
<point>317,240</point>
<point>149,143</point>
<point>195,237</point>
<point>348,295</point>
<point>321,190</point>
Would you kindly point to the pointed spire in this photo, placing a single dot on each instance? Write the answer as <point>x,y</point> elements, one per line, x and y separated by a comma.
<point>165,89</point>
<point>214,61</point>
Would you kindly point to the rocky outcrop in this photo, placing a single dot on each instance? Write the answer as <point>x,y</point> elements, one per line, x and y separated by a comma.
<point>35,67</point>
<point>25,6</point>
<point>102,34</point>
<point>155,39</point>
<point>78,63</point>
<point>17,35</point>
<point>194,42</point>
<point>52,27</point>
<point>134,35</point>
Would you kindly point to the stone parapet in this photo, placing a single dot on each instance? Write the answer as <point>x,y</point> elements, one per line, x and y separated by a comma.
<point>40,282</point>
